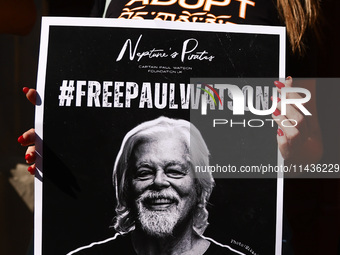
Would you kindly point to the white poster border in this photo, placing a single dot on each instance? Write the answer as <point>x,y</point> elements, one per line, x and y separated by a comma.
<point>47,22</point>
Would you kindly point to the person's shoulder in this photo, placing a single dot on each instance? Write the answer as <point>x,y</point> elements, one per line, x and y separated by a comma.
<point>107,246</point>
<point>216,248</point>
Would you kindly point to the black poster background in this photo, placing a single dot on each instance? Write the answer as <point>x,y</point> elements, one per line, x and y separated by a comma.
<point>80,143</point>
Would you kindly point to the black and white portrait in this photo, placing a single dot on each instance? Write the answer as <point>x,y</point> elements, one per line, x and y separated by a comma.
<point>161,202</point>
<point>120,139</point>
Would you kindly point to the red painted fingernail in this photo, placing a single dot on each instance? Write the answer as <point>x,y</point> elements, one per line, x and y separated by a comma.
<point>28,157</point>
<point>280,132</point>
<point>21,139</point>
<point>278,99</point>
<point>279,84</point>
<point>277,112</point>
<point>289,77</point>
<point>31,170</point>
<point>25,90</point>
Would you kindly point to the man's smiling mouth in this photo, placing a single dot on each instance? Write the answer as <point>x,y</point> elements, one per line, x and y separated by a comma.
<point>160,204</point>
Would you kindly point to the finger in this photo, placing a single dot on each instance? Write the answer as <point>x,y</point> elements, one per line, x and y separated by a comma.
<point>280,85</point>
<point>292,112</point>
<point>295,117</point>
<point>27,138</point>
<point>277,111</point>
<point>292,134</point>
<point>31,94</point>
<point>289,82</point>
<point>282,143</point>
<point>30,155</point>
<point>31,169</point>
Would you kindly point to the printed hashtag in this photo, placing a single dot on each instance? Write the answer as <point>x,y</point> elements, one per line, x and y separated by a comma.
<point>66,93</point>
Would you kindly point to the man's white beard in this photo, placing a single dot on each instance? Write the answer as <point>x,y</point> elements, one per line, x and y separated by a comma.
<point>158,223</point>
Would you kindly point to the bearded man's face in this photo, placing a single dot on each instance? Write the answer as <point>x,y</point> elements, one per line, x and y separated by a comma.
<point>163,185</point>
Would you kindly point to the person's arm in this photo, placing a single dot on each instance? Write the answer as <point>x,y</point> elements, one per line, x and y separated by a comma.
<point>17,16</point>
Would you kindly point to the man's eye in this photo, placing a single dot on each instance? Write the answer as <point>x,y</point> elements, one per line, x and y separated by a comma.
<point>175,173</point>
<point>144,173</point>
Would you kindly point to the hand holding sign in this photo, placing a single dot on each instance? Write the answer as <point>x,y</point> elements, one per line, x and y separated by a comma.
<point>28,138</point>
<point>300,142</point>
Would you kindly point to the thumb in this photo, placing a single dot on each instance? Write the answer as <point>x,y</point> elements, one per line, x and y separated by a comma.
<point>289,82</point>
<point>31,95</point>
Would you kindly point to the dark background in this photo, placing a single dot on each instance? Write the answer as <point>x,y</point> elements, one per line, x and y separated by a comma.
<point>312,206</point>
